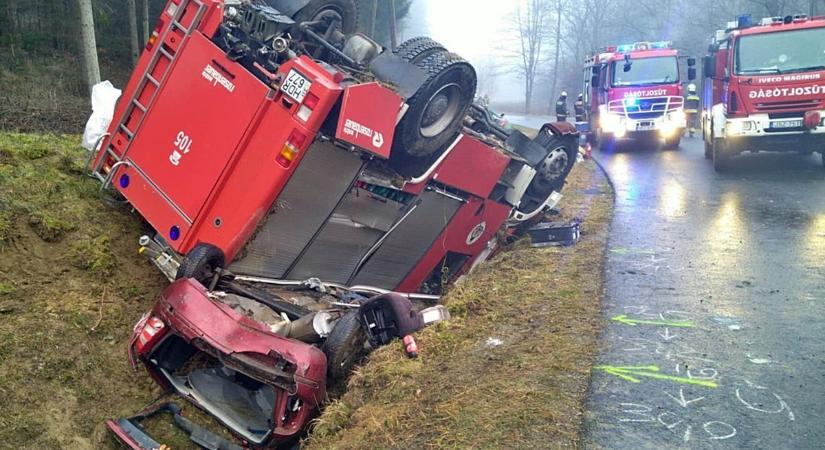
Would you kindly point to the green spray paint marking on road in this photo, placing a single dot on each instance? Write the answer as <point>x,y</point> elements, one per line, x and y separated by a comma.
<point>659,323</point>
<point>633,373</point>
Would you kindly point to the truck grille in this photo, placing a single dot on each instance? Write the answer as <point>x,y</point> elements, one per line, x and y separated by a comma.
<point>646,108</point>
<point>781,106</point>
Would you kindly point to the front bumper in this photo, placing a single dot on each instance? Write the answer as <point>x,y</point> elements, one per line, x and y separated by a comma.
<point>754,133</point>
<point>622,127</point>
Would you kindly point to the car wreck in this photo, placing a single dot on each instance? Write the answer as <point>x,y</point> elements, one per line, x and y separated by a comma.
<point>311,193</point>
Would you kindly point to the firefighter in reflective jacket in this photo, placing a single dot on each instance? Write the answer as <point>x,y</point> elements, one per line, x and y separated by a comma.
<point>578,109</point>
<point>561,107</point>
<point>692,109</point>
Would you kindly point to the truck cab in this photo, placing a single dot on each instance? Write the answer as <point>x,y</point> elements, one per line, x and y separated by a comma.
<point>765,88</point>
<point>634,92</point>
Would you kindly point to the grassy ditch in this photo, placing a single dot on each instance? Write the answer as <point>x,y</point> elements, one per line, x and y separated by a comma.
<point>71,288</point>
<point>464,391</point>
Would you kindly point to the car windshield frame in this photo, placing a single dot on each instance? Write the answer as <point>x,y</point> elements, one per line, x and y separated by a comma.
<point>766,45</point>
<point>642,66</point>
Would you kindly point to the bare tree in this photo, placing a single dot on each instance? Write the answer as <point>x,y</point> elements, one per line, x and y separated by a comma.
<point>557,32</point>
<point>133,30</point>
<point>488,74</point>
<point>88,43</point>
<point>146,20</point>
<point>531,26</point>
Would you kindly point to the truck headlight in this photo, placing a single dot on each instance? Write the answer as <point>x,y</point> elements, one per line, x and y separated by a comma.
<point>739,126</point>
<point>611,122</point>
<point>677,116</point>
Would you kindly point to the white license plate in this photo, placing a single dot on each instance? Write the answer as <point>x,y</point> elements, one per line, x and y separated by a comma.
<point>786,124</point>
<point>645,126</point>
<point>296,86</point>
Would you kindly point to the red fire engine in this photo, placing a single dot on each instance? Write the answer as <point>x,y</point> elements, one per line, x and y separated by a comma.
<point>633,91</point>
<point>764,88</point>
<point>296,173</point>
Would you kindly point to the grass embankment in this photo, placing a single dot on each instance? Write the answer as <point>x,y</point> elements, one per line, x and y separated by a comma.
<point>71,288</point>
<point>466,392</point>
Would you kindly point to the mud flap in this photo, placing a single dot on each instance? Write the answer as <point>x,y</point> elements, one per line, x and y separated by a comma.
<point>130,432</point>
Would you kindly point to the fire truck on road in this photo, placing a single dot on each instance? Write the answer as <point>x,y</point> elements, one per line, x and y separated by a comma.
<point>764,88</point>
<point>634,91</point>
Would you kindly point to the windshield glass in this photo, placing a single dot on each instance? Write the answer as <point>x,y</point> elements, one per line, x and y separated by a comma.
<point>782,52</point>
<point>646,71</point>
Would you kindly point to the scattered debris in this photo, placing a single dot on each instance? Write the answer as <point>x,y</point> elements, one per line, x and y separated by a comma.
<point>493,342</point>
<point>555,234</point>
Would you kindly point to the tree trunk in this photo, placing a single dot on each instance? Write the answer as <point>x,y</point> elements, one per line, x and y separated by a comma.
<point>554,84</point>
<point>146,31</point>
<point>393,26</point>
<point>88,44</point>
<point>373,18</point>
<point>133,30</point>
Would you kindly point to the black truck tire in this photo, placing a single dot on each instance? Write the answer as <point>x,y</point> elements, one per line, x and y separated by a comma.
<point>552,171</point>
<point>437,110</point>
<point>200,263</point>
<point>721,160</point>
<point>344,10</point>
<point>344,346</point>
<point>418,48</point>
<point>708,150</point>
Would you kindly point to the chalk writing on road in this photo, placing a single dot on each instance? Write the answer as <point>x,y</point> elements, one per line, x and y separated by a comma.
<point>634,374</point>
<point>624,319</point>
<point>639,413</point>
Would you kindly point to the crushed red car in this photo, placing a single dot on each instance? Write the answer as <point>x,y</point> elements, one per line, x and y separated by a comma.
<point>305,186</point>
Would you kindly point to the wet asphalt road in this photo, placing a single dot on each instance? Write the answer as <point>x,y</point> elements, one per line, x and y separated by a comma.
<point>727,275</point>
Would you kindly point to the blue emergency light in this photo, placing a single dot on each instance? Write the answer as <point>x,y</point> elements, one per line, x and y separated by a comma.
<point>641,46</point>
<point>744,21</point>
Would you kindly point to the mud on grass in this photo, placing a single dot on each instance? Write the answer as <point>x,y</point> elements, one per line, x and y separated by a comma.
<point>71,288</point>
<point>465,392</point>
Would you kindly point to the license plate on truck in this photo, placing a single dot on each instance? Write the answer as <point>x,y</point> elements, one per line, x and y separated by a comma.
<point>781,124</point>
<point>645,126</point>
<point>296,86</point>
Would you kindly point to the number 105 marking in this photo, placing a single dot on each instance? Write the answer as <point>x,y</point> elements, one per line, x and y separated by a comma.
<point>183,145</point>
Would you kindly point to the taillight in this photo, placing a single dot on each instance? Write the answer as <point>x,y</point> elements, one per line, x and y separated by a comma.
<point>291,148</point>
<point>153,39</point>
<point>153,330</point>
<point>310,102</point>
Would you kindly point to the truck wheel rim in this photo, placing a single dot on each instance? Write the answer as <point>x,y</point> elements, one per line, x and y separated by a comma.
<point>442,108</point>
<point>552,168</point>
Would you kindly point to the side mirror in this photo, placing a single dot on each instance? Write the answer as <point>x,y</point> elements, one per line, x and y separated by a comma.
<point>627,64</point>
<point>726,78</point>
<point>691,73</point>
<point>709,66</point>
<point>691,62</point>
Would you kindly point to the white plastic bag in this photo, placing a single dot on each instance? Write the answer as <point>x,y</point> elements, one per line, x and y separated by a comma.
<point>104,99</point>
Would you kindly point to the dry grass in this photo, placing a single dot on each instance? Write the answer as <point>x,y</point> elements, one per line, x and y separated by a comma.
<point>543,304</point>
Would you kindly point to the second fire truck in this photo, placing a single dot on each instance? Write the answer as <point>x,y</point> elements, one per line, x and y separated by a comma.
<point>634,91</point>
<point>765,88</point>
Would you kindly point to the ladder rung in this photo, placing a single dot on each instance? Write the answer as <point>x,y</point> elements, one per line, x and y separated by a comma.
<point>152,80</point>
<point>128,132</point>
<point>181,27</point>
<point>166,54</point>
<point>139,105</point>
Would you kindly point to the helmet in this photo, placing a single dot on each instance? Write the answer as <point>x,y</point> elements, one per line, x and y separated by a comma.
<point>691,88</point>
<point>581,97</point>
<point>564,94</point>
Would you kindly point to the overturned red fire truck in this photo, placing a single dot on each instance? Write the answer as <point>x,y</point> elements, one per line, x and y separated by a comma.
<point>304,184</point>
<point>764,88</point>
<point>633,92</point>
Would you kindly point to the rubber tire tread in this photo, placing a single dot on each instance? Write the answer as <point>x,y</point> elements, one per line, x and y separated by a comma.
<point>408,141</point>
<point>347,332</point>
<point>196,261</point>
<point>418,48</point>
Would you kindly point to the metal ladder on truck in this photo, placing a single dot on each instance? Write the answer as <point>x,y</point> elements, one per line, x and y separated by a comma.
<point>146,78</point>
